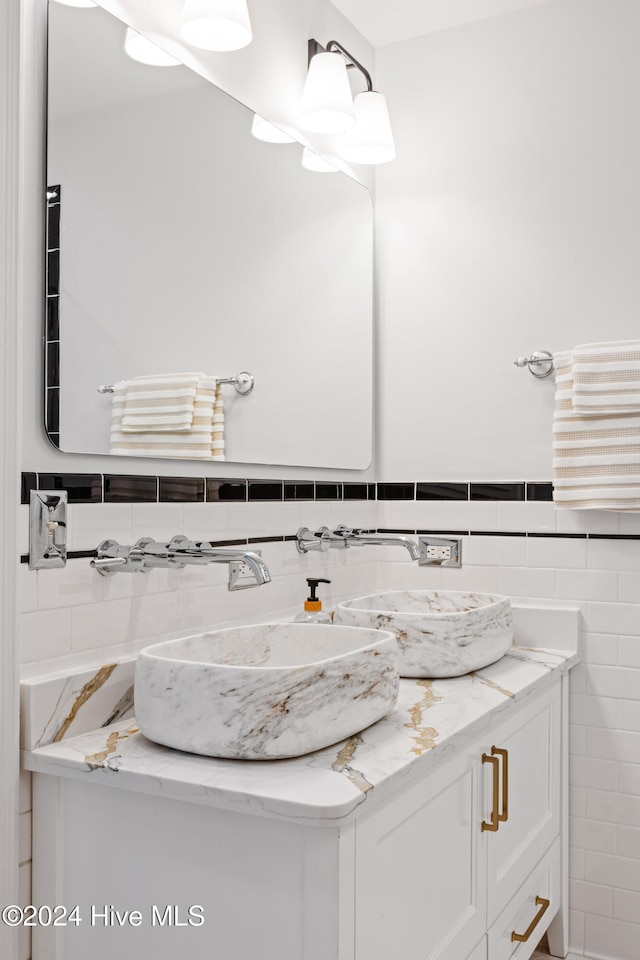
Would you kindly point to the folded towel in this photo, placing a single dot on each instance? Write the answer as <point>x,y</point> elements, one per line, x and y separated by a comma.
<point>160,403</point>
<point>204,440</point>
<point>596,459</point>
<point>606,377</point>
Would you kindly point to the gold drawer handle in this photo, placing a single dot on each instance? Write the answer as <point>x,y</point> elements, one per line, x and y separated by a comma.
<point>493,823</point>
<point>505,782</point>
<point>523,937</point>
<point>497,816</point>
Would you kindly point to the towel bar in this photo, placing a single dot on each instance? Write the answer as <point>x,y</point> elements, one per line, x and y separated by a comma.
<point>243,382</point>
<point>540,358</point>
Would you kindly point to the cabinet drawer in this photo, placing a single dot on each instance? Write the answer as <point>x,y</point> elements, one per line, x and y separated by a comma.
<point>529,903</point>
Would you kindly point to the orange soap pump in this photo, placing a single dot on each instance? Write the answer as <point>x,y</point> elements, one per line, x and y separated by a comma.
<point>313,612</point>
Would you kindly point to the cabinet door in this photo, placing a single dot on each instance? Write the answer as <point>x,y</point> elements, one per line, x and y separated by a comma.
<point>532,741</point>
<point>480,952</point>
<point>420,869</point>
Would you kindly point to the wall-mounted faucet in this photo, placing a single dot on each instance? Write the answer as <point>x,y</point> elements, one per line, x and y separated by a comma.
<point>343,537</point>
<point>147,553</point>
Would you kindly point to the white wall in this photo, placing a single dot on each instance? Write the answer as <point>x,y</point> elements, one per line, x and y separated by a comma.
<point>510,222</point>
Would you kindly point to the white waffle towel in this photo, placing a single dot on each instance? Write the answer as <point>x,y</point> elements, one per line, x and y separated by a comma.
<point>202,440</point>
<point>606,377</point>
<point>596,459</point>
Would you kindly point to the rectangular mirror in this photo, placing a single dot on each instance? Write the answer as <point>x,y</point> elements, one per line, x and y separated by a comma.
<point>177,242</point>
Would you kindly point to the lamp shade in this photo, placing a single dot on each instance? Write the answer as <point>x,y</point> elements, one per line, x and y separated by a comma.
<point>371,139</point>
<point>146,51</point>
<point>78,3</point>
<point>311,161</point>
<point>261,129</point>
<point>327,104</point>
<point>216,24</point>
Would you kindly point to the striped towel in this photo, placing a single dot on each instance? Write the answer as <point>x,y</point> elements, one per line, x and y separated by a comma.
<point>203,441</point>
<point>606,377</point>
<point>596,459</point>
<point>160,404</point>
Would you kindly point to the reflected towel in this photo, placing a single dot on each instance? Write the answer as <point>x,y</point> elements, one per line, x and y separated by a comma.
<point>606,377</point>
<point>596,459</point>
<point>203,441</point>
<point>160,404</point>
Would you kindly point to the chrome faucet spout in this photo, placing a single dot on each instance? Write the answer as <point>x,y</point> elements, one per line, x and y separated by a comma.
<point>361,537</point>
<point>185,551</point>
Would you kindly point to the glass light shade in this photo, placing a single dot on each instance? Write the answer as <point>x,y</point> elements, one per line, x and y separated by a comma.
<point>371,139</point>
<point>78,3</point>
<point>261,129</point>
<point>146,51</point>
<point>216,24</point>
<point>311,161</point>
<point>327,104</point>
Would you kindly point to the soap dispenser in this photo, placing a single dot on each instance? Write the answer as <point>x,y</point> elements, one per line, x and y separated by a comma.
<point>313,612</point>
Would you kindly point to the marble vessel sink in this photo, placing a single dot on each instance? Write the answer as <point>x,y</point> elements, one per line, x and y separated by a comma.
<point>440,633</point>
<point>265,691</point>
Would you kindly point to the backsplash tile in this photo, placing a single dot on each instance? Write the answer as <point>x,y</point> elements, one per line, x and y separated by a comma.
<point>226,491</point>
<point>497,491</point>
<point>181,489</point>
<point>265,490</point>
<point>396,491</point>
<point>299,491</point>
<point>81,487</point>
<point>442,491</point>
<point>124,489</point>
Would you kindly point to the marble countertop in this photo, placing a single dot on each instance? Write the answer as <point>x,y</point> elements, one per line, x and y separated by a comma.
<point>432,718</point>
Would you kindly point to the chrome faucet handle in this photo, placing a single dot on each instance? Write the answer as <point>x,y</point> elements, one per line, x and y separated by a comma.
<point>113,557</point>
<point>306,540</point>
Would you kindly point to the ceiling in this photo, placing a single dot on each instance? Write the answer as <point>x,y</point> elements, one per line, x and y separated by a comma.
<point>387,21</point>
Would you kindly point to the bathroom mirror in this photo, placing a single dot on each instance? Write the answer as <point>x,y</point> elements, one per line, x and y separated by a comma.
<point>182,243</point>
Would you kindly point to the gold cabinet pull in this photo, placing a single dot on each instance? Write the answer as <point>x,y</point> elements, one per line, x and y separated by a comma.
<point>523,937</point>
<point>493,823</point>
<point>504,815</point>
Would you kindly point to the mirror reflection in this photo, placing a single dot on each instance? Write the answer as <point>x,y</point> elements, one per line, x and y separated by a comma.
<point>190,252</point>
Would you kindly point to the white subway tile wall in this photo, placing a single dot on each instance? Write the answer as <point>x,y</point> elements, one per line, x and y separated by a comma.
<point>73,616</point>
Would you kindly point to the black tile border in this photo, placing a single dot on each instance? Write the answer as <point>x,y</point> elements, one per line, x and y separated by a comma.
<point>115,488</point>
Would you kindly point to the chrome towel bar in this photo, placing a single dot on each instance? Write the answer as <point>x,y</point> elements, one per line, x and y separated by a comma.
<point>243,382</point>
<point>540,359</point>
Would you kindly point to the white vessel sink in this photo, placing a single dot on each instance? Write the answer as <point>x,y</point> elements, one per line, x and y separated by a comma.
<point>265,691</point>
<point>440,633</point>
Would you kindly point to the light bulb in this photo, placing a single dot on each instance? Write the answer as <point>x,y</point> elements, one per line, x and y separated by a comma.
<point>261,129</point>
<point>327,104</point>
<point>146,51</point>
<point>216,24</point>
<point>371,139</point>
<point>311,161</point>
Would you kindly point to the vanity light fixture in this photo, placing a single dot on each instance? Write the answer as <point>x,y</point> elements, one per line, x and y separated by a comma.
<point>146,51</point>
<point>216,24</point>
<point>328,106</point>
<point>261,129</point>
<point>312,161</point>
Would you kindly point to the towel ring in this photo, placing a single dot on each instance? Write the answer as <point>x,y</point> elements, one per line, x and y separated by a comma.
<point>540,363</point>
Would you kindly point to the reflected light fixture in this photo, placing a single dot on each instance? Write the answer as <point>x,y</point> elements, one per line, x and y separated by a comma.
<point>216,24</point>
<point>328,105</point>
<point>312,161</point>
<point>78,3</point>
<point>146,51</point>
<point>261,129</point>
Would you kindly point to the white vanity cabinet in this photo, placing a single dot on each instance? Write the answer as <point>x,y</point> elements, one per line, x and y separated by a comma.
<point>429,880</point>
<point>459,855</point>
